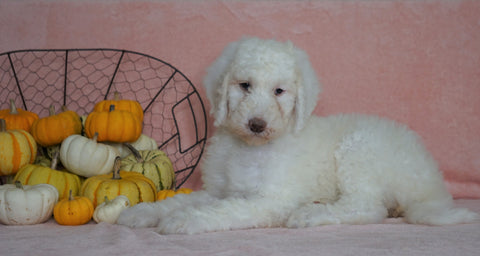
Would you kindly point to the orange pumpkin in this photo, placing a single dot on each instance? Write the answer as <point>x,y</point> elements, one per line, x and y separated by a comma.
<point>163,194</point>
<point>17,118</point>
<point>17,148</point>
<point>183,191</point>
<point>113,126</point>
<point>73,210</point>
<point>52,130</point>
<point>120,104</point>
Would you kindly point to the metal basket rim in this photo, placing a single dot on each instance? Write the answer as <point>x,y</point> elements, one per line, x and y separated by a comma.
<point>123,51</point>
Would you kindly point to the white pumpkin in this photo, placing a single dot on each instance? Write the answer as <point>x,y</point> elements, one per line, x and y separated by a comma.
<point>26,205</point>
<point>86,157</point>
<point>142,143</point>
<point>109,210</point>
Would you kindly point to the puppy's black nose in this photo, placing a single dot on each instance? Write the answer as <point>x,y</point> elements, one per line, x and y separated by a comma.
<point>257,125</point>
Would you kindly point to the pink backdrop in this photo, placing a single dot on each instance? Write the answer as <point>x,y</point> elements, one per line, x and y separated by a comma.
<point>417,62</point>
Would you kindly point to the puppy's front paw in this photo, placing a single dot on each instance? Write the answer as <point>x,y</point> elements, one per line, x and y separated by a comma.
<point>139,216</point>
<point>188,221</point>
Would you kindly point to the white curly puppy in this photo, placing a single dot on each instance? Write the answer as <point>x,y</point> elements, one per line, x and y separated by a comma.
<point>270,163</point>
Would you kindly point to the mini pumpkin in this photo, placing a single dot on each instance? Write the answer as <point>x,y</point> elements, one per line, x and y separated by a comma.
<point>17,148</point>
<point>26,205</point>
<point>32,174</point>
<point>114,125</point>
<point>164,194</point>
<point>52,130</point>
<point>184,191</point>
<point>73,211</point>
<point>109,210</point>
<point>133,185</point>
<point>17,118</point>
<point>132,106</point>
<point>86,157</point>
<point>154,164</point>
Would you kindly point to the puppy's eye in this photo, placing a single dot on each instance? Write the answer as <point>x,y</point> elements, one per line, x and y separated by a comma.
<point>245,85</point>
<point>279,91</point>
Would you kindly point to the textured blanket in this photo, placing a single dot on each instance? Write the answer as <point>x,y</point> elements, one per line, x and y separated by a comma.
<point>394,237</point>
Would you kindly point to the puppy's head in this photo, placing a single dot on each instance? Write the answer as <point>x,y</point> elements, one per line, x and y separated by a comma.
<point>260,89</point>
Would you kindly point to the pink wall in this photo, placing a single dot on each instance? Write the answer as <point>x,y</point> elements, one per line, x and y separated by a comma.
<point>417,62</point>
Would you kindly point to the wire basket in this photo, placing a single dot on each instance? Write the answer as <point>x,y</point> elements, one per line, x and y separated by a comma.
<point>174,114</point>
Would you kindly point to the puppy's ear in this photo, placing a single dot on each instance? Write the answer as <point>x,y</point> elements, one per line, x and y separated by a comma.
<point>216,83</point>
<point>308,88</point>
<point>219,108</point>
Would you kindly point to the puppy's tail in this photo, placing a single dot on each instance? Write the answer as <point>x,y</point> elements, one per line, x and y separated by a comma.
<point>441,212</point>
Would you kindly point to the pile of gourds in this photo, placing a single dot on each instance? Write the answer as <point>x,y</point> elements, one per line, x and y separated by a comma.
<point>108,164</point>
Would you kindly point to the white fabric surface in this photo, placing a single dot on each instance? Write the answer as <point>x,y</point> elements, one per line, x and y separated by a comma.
<point>390,238</point>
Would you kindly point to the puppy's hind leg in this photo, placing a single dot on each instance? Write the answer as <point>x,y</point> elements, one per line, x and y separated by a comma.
<point>357,205</point>
<point>347,210</point>
<point>360,194</point>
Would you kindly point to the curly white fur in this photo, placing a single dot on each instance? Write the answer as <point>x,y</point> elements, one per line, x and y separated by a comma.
<point>270,163</point>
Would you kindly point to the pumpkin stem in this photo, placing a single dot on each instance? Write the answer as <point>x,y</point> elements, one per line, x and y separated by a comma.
<point>112,108</point>
<point>55,156</point>
<point>18,184</point>
<point>135,152</point>
<point>95,137</point>
<point>13,108</point>
<point>43,151</point>
<point>116,168</point>
<point>116,96</point>
<point>3,125</point>
<point>51,110</point>
<point>105,199</point>
<point>64,108</point>
<point>70,195</point>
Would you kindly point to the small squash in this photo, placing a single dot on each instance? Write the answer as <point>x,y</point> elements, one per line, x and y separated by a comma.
<point>109,210</point>
<point>86,157</point>
<point>17,118</point>
<point>154,164</point>
<point>163,194</point>
<point>132,106</point>
<point>133,185</point>
<point>142,143</point>
<point>17,148</point>
<point>64,181</point>
<point>114,125</point>
<point>184,191</point>
<point>73,211</point>
<point>26,205</point>
<point>52,130</point>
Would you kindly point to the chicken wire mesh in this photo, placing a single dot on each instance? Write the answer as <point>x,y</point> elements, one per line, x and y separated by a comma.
<point>174,114</point>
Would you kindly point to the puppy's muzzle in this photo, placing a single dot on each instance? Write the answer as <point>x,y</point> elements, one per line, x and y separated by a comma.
<point>257,125</point>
